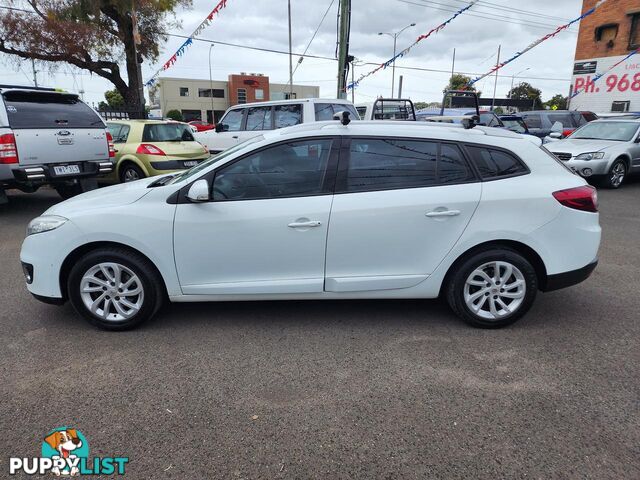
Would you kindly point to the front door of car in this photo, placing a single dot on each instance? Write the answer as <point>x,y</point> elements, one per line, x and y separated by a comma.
<point>227,134</point>
<point>264,230</point>
<point>399,208</point>
<point>634,150</point>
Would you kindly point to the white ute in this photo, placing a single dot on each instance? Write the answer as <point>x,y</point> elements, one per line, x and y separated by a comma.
<point>482,217</point>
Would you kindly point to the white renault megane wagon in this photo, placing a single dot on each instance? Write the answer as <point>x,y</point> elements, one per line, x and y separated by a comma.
<point>482,217</point>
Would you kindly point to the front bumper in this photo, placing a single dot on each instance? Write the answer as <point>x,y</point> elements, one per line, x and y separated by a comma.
<point>588,168</point>
<point>567,279</point>
<point>46,173</point>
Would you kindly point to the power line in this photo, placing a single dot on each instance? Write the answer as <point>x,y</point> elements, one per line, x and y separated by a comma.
<point>504,8</point>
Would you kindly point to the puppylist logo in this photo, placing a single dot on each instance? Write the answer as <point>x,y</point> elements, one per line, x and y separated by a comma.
<point>65,451</point>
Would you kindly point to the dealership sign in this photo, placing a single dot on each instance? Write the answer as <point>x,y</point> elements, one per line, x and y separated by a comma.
<point>617,90</point>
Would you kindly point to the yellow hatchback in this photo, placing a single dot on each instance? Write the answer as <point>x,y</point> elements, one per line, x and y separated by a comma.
<point>145,148</point>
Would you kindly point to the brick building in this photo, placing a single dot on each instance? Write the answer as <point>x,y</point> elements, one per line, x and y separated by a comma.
<point>200,99</point>
<point>606,37</point>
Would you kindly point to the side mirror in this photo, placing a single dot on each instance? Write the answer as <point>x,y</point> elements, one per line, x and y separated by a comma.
<point>557,135</point>
<point>199,191</point>
<point>219,127</point>
<point>557,127</point>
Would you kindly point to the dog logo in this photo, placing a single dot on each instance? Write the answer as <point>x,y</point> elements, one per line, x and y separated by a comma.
<point>67,444</point>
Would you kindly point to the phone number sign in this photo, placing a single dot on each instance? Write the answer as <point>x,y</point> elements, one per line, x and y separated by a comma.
<point>621,84</point>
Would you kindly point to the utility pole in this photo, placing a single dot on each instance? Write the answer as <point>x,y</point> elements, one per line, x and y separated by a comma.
<point>136,42</point>
<point>343,47</point>
<point>453,64</point>
<point>353,79</point>
<point>495,85</point>
<point>290,54</point>
<point>213,120</point>
<point>400,87</point>
<point>35,76</point>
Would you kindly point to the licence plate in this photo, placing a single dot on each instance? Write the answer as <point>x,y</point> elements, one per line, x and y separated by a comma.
<point>66,169</point>
<point>190,163</point>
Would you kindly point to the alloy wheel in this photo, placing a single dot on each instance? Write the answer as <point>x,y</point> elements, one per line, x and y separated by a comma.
<point>618,172</point>
<point>131,175</point>
<point>495,290</point>
<point>112,291</point>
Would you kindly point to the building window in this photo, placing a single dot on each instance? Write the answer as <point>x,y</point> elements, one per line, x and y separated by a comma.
<point>290,95</point>
<point>259,94</point>
<point>634,35</point>
<point>211,92</point>
<point>184,91</point>
<point>189,115</point>
<point>606,33</point>
<point>242,95</point>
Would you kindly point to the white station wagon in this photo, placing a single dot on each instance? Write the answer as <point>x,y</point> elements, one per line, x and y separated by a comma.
<point>482,217</point>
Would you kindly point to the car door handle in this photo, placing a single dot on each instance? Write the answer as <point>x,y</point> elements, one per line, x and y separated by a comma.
<point>443,213</point>
<point>310,224</point>
<point>235,136</point>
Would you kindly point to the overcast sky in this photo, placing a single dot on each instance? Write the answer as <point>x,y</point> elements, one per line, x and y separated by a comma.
<point>475,35</point>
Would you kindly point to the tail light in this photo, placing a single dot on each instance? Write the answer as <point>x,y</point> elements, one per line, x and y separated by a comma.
<point>580,198</point>
<point>148,149</point>
<point>8,149</point>
<point>112,147</point>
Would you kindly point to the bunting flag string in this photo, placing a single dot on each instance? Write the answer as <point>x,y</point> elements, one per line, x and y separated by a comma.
<point>181,50</point>
<point>406,50</point>
<point>538,42</point>
<point>598,76</point>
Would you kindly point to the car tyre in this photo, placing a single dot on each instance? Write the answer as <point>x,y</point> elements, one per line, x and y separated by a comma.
<point>617,175</point>
<point>485,299</point>
<point>130,172</point>
<point>115,288</point>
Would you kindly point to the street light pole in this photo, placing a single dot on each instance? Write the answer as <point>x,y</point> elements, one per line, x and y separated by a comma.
<point>514,76</point>
<point>211,85</point>
<point>395,35</point>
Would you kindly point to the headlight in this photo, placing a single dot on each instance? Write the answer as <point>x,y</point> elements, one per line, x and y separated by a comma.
<point>590,156</point>
<point>45,223</point>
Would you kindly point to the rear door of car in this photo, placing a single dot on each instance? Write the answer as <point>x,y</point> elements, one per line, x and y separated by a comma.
<point>400,206</point>
<point>51,127</point>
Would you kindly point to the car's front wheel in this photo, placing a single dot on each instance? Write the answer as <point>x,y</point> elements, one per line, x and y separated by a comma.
<point>492,288</point>
<point>617,174</point>
<point>114,289</point>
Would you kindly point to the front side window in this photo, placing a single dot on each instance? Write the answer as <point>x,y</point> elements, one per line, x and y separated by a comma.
<point>290,169</point>
<point>287,115</point>
<point>232,121</point>
<point>258,118</point>
<point>493,163</point>
<point>376,164</point>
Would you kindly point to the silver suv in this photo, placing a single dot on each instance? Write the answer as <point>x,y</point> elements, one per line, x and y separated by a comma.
<point>50,137</point>
<point>606,150</point>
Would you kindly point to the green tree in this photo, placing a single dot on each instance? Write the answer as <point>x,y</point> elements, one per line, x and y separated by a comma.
<point>175,115</point>
<point>524,91</point>
<point>114,99</point>
<point>557,102</point>
<point>459,82</point>
<point>93,35</point>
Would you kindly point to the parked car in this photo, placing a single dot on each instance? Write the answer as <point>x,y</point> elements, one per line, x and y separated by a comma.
<point>145,148</point>
<point>483,217</point>
<point>540,122</point>
<point>455,115</point>
<point>604,150</point>
<point>50,137</point>
<point>387,109</point>
<point>201,126</point>
<point>248,120</point>
<point>515,123</point>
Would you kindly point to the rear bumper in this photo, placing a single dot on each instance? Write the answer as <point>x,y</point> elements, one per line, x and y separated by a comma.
<point>167,165</point>
<point>567,279</point>
<point>46,173</point>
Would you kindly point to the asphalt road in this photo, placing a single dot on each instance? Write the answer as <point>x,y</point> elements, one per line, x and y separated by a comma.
<point>353,389</point>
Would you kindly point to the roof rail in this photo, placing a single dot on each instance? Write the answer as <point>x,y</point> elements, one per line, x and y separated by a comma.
<point>24,87</point>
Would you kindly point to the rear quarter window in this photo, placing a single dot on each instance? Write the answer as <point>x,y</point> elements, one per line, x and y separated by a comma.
<point>494,164</point>
<point>49,110</point>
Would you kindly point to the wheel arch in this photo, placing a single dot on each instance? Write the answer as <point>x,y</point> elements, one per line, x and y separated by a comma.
<point>76,254</point>
<point>525,250</point>
<point>622,156</point>
<point>134,160</point>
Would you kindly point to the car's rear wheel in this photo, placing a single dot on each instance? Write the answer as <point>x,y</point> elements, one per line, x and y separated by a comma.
<point>492,288</point>
<point>130,173</point>
<point>115,289</point>
<point>617,174</point>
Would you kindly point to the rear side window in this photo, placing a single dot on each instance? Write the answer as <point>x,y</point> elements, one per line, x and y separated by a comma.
<point>390,164</point>
<point>167,132</point>
<point>325,111</point>
<point>49,110</point>
<point>533,120</point>
<point>288,115</point>
<point>493,163</point>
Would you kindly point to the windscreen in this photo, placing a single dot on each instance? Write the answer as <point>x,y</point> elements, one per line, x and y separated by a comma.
<point>167,132</point>
<point>49,110</point>
<point>618,131</point>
